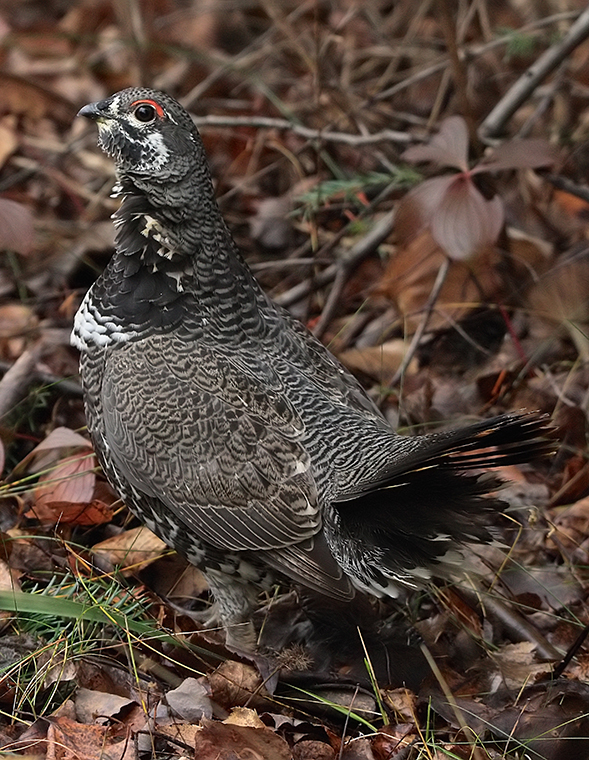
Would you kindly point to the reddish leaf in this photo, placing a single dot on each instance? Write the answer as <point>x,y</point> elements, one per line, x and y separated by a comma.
<point>72,513</point>
<point>419,205</point>
<point>518,154</point>
<point>61,437</point>
<point>465,221</point>
<point>72,480</point>
<point>66,738</point>
<point>448,148</point>
<point>218,741</point>
<point>47,453</point>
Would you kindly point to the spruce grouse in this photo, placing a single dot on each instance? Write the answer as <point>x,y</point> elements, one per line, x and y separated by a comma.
<point>228,428</point>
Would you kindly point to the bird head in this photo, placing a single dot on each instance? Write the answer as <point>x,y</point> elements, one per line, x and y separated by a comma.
<point>148,134</point>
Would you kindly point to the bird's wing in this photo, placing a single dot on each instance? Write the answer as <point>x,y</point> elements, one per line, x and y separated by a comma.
<point>328,375</point>
<point>219,448</point>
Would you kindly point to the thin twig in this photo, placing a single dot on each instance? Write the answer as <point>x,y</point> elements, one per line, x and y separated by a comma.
<point>15,383</point>
<point>429,307</point>
<point>67,387</point>
<point>530,79</point>
<point>562,183</point>
<point>446,13</point>
<point>475,752</point>
<point>468,54</point>
<point>266,122</point>
<point>222,67</point>
<point>564,663</point>
<point>348,263</point>
<point>381,230</point>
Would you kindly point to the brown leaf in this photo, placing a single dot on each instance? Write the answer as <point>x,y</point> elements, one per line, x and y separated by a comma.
<point>417,208</point>
<point>218,741</point>
<point>380,362</point>
<point>129,550</point>
<point>310,749</point>
<point>72,513</point>
<point>8,582</point>
<point>69,740</point>
<point>71,481</point>
<point>98,706</point>
<point>270,225</point>
<point>571,526</point>
<point>518,154</point>
<point>449,147</point>
<point>61,437</point>
<point>16,319</point>
<point>235,683</point>
<point>358,749</point>
<point>410,276</point>
<point>17,232</point>
<point>559,302</point>
<point>244,716</point>
<point>180,732</point>
<point>403,702</point>
<point>48,451</point>
<point>554,586</point>
<point>8,138</point>
<point>517,663</point>
<point>22,97</point>
<point>392,741</point>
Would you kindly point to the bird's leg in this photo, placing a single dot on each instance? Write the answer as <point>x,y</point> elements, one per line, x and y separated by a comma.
<point>235,601</point>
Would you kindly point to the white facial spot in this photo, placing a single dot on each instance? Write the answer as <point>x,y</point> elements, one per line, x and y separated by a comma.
<point>156,152</point>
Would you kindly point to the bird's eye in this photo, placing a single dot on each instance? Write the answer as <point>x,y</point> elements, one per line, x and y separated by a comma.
<point>145,113</point>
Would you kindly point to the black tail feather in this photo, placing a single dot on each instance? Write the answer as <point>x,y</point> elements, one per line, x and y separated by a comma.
<point>505,440</point>
<point>406,520</point>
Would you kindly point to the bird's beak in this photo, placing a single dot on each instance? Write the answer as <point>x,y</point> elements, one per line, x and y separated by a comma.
<point>94,111</point>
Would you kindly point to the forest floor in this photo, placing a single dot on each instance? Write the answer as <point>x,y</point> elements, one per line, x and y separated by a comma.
<point>407,178</point>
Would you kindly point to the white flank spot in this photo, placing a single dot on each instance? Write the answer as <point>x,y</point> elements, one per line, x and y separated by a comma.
<point>92,327</point>
<point>151,224</point>
<point>177,276</point>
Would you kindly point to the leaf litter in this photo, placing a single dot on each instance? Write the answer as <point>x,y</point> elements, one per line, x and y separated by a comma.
<point>507,330</point>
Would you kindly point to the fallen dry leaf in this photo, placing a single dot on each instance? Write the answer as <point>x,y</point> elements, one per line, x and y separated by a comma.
<point>17,232</point>
<point>70,740</point>
<point>219,741</point>
<point>235,683</point>
<point>244,716</point>
<point>98,706</point>
<point>309,749</point>
<point>558,303</point>
<point>517,664</point>
<point>8,138</point>
<point>129,551</point>
<point>379,362</point>
<point>410,275</point>
<point>70,482</point>
<point>48,452</point>
<point>190,701</point>
<point>95,512</point>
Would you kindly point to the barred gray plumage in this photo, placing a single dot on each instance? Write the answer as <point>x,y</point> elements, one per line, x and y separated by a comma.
<point>227,427</point>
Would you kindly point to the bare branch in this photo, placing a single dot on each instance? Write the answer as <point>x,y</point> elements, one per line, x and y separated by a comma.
<point>530,79</point>
<point>263,122</point>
